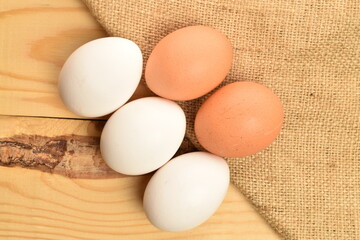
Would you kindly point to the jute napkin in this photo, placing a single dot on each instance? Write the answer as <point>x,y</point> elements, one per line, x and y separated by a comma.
<point>306,184</point>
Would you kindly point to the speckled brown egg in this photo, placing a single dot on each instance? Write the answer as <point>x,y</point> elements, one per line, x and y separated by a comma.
<point>238,120</point>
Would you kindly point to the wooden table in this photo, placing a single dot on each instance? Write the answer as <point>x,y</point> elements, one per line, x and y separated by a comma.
<point>59,187</point>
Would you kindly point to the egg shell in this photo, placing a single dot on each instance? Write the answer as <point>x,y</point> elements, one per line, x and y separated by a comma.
<point>100,76</point>
<point>188,63</point>
<point>186,191</point>
<point>142,135</point>
<point>238,120</point>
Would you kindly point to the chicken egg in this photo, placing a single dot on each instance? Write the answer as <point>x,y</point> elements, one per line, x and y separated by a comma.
<point>142,135</point>
<point>100,76</point>
<point>239,119</point>
<point>186,191</point>
<point>188,63</point>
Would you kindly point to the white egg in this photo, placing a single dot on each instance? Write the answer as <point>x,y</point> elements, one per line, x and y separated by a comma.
<point>186,191</point>
<point>143,135</point>
<point>100,76</point>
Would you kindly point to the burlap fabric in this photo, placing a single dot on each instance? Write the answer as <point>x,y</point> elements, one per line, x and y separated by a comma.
<point>307,184</point>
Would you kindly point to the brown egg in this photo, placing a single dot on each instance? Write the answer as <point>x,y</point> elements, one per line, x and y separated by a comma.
<point>239,119</point>
<point>188,63</point>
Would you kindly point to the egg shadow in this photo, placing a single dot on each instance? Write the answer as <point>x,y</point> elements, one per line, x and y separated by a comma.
<point>141,186</point>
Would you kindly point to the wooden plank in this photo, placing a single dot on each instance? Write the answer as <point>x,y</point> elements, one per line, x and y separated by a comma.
<point>36,38</point>
<point>38,204</point>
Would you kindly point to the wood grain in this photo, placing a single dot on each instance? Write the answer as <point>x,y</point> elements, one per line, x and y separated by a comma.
<point>39,205</point>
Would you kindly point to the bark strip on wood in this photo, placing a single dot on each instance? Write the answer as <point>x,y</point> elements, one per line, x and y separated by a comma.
<point>69,155</point>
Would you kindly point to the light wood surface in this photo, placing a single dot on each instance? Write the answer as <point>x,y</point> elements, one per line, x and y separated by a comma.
<point>36,36</point>
<point>39,205</point>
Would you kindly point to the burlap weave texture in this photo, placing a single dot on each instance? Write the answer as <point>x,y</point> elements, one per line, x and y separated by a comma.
<point>306,184</point>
